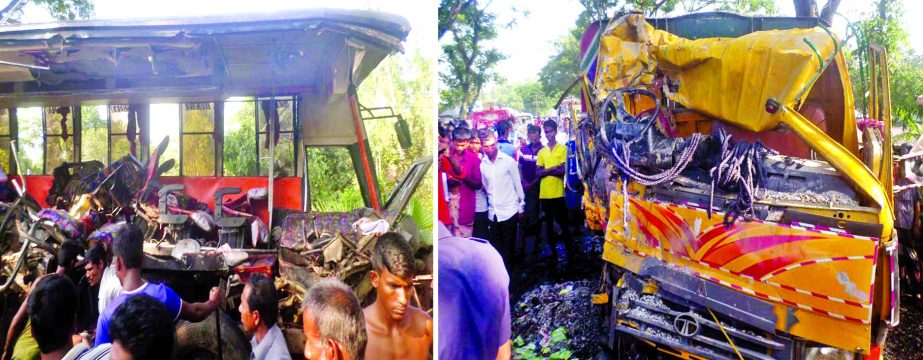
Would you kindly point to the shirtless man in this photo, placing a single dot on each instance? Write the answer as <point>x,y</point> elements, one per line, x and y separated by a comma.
<point>395,330</point>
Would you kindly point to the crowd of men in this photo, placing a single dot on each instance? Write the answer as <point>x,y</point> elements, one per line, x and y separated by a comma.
<point>491,188</point>
<point>70,314</point>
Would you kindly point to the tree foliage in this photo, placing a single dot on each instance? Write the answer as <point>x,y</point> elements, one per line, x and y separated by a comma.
<point>198,149</point>
<point>94,142</point>
<point>448,13</point>
<point>469,60</point>
<point>881,25</point>
<point>405,83</point>
<point>529,96</point>
<point>240,143</point>
<point>64,9</point>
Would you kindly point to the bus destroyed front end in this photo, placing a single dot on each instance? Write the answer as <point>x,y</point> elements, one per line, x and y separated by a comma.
<point>243,102</point>
<point>725,173</point>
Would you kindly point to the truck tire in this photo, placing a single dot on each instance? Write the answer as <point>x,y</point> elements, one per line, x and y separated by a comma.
<point>199,341</point>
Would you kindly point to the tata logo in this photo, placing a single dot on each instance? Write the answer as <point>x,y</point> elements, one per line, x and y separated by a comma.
<point>686,324</point>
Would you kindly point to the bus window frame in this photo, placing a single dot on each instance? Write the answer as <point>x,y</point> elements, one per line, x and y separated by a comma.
<point>71,132</point>
<point>75,131</point>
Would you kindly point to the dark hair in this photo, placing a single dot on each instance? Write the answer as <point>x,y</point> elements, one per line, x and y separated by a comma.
<point>486,134</point>
<point>503,128</point>
<point>394,254</point>
<point>68,253</point>
<point>53,312</point>
<point>96,255</point>
<point>129,247</point>
<point>443,131</point>
<point>263,298</point>
<point>532,128</point>
<point>338,315</point>
<point>461,134</point>
<point>143,327</point>
<point>550,123</point>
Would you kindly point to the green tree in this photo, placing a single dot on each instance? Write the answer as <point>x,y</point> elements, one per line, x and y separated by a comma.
<point>240,143</point>
<point>449,11</point>
<point>68,9</point>
<point>405,83</point>
<point>198,149</point>
<point>529,96</point>
<point>564,66</point>
<point>880,24</point>
<point>94,144</point>
<point>30,140</point>
<point>334,186</point>
<point>61,9</point>
<point>469,60</point>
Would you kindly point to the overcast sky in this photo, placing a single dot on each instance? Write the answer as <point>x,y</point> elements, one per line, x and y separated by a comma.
<point>530,43</point>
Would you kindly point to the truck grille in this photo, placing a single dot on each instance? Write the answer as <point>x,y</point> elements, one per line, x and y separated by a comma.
<point>688,327</point>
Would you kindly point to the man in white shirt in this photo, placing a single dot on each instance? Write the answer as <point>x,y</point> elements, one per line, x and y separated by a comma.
<point>505,197</point>
<point>481,225</point>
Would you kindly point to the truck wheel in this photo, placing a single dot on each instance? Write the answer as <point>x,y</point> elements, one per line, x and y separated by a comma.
<point>199,341</point>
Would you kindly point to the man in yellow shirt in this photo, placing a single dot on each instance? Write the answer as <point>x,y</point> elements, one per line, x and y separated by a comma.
<point>550,168</point>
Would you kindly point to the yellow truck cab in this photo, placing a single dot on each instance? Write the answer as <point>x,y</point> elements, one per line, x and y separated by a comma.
<point>747,212</point>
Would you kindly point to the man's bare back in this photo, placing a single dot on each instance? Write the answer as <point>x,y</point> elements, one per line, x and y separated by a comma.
<point>412,338</point>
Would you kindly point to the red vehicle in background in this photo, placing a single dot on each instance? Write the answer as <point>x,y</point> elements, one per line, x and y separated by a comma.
<point>488,118</point>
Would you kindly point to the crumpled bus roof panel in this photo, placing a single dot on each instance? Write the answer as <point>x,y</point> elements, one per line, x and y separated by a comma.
<point>298,51</point>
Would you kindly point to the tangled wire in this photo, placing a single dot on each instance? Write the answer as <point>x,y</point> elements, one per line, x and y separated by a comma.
<point>740,165</point>
<point>620,140</point>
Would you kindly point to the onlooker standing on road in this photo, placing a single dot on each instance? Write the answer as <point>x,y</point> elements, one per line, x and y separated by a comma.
<point>463,181</point>
<point>481,226</point>
<point>503,137</point>
<point>444,166</point>
<point>500,177</point>
<point>528,155</point>
<point>550,168</point>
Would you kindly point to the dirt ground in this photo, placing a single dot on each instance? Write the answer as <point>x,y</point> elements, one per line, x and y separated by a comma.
<point>906,341</point>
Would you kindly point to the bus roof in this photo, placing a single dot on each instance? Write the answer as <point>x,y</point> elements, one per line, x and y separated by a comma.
<point>293,52</point>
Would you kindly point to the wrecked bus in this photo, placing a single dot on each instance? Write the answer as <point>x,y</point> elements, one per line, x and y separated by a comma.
<point>201,132</point>
<point>747,212</point>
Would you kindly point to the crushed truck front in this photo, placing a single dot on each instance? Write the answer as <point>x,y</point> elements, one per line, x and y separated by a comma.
<point>721,157</point>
